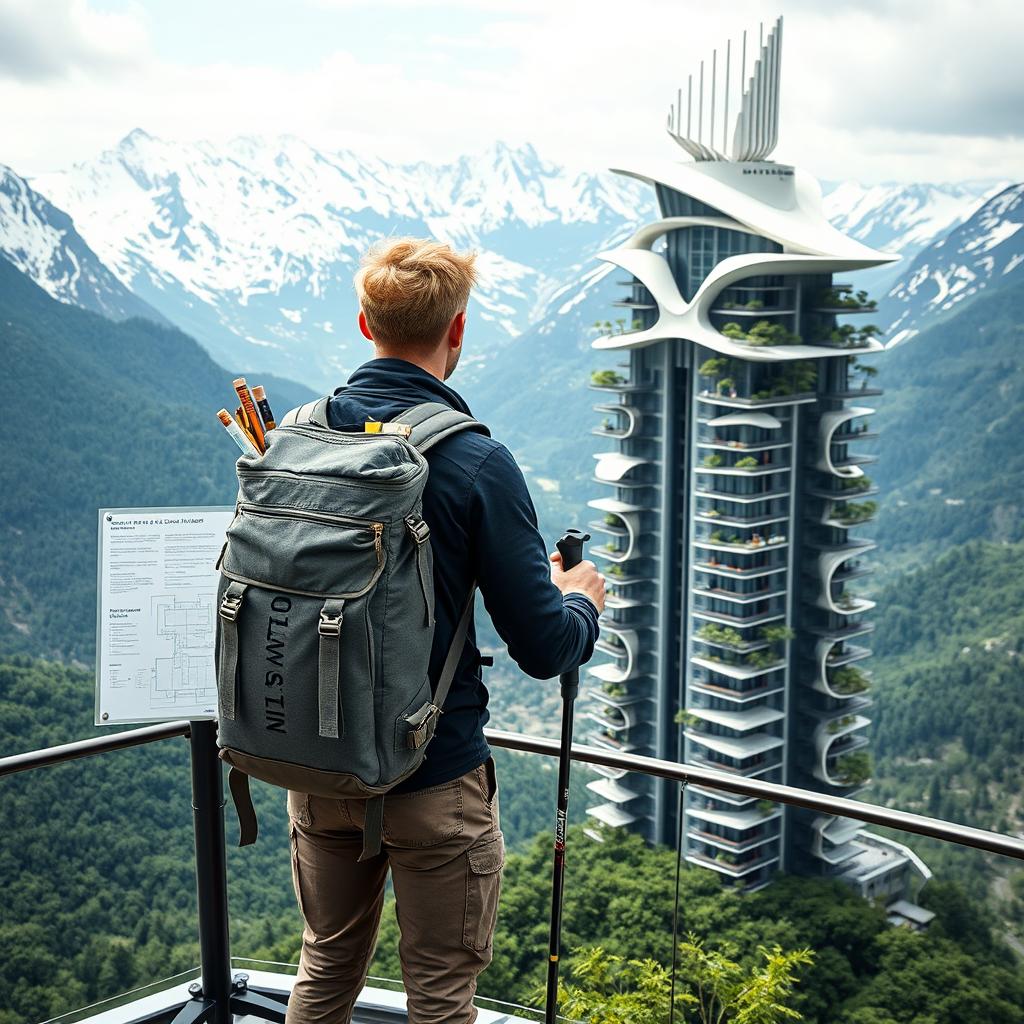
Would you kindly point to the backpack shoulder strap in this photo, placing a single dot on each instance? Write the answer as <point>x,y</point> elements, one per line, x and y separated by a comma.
<point>311,412</point>
<point>434,421</point>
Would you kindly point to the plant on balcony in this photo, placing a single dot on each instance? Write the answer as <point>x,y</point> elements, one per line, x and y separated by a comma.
<point>686,719</point>
<point>848,680</point>
<point>855,483</point>
<point>607,424</point>
<point>727,386</point>
<point>839,723</point>
<point>747,462</point>
<point>714,367</point>
<point>764,332</point>
<point>614,689</point>
<point>606,378</point>
<point>849,513</point>
<point>762,659</point>
<point>712,460</point>
<point>848,336</point>
<point>765,807</point>
<point>841,298</point>
<point>724,635</point>
<point>611,519</point>
<point>866,371</point>
<point>754,304</point>
<point>776,634</point>
<point>615,571</point>
<point>853,769</point>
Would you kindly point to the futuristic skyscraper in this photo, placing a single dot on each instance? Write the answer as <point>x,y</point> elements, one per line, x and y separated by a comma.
<point>735,499</point>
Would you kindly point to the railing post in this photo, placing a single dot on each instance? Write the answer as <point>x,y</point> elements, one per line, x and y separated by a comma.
<point>211,869</point>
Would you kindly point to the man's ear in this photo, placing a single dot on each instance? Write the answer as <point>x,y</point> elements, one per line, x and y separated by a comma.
<point>457,330</point>
<point>364,327</point>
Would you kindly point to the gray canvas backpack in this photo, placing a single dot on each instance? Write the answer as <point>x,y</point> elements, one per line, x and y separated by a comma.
<point>326,612</point>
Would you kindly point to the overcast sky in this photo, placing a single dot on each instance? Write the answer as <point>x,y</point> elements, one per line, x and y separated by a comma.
<point>875,90</point>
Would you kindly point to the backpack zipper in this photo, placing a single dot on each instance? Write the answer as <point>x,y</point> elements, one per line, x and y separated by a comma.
<point>327,518</point>
<point>345,481</point>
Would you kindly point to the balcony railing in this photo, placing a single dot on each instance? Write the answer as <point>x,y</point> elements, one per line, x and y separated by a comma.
<point>263,994</point>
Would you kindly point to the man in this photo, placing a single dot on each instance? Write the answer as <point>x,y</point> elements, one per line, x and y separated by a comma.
<point>442,838</point>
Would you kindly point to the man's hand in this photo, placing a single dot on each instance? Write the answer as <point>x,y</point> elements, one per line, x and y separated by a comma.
<point>581,579</point>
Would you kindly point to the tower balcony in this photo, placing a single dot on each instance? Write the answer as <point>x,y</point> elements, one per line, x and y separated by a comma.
<point>733,866</point>
<point>612,814</point>
<point>709,511</point>
<point>738,670</point>
<point>834,838</point>
<point>741,750</point>
<point>628,424</point>
<point>614,467</point>
<point>622,523</point>
<point>622,645</point>
<point>844,514</point>
<point>744,465</point>
<point>713,566</point>
<point>833,743</point>
<point>737,821</point>
<point>727,619</point>
<point>613,791</point>
<point>837,678</point>
<point>830,424</point>
<point>829,563</point>
<point>707,486</point>
<point>734,543</point>
<point>763,593</point>
<point>706,686</point>
<point>739,722</point>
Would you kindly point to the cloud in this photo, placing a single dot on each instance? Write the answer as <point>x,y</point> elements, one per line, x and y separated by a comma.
<point>875,90</point>
<point>53,39</point>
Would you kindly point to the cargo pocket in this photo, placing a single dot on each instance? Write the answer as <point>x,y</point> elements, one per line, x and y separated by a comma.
<point>483,888</point>
<point>424,817</point>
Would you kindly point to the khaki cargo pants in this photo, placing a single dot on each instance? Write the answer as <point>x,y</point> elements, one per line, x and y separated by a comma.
<point>445,850</point>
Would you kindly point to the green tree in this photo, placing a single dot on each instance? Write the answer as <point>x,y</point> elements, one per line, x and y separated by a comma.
<point>713,989</point>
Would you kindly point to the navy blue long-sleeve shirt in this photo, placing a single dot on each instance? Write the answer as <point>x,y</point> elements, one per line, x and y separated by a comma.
<point>483,527</point>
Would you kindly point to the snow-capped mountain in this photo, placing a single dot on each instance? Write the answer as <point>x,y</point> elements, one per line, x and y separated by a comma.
<point>41,241</point>
<point>251,246</point>
<point>985,252</point>
<point>903,218</point>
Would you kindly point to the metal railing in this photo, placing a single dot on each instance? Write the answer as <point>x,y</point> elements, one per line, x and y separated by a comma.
<point>219,996</point>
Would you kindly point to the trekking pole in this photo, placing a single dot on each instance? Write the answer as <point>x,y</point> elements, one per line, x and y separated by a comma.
<point>570,547</point>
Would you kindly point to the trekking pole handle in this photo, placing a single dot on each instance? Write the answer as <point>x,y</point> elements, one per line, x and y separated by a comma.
<point>570,547</point>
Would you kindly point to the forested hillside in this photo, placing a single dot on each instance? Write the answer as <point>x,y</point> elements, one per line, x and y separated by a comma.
<point>948,731</point>
<point>951,464</point>
<point>96,414</point>
<point>96,858</point>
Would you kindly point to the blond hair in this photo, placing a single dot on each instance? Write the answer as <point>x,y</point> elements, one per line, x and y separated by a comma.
<point>411,288</point>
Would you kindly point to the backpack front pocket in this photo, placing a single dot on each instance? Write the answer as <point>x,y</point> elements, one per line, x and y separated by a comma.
<point>297,551</point>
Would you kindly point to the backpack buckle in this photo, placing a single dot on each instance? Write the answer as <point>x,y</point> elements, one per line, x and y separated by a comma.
<point>419,529</point>
<point>230,606</point>
<point>330,625</point>
<point>423,722</point>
